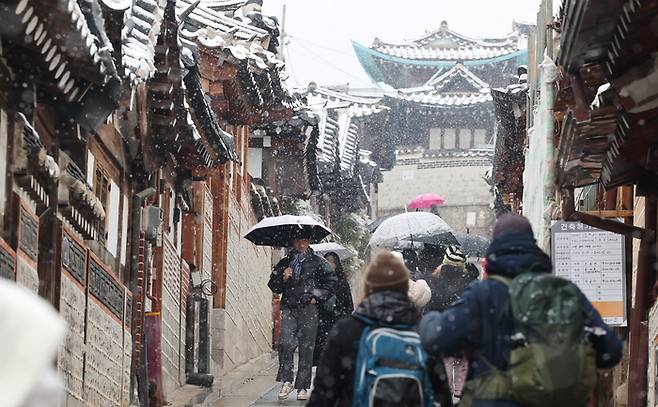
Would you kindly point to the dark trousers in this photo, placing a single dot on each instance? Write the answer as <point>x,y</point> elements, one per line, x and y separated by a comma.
<point>298,329</point>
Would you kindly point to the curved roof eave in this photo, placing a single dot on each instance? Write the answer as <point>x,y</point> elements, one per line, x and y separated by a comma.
<point>363,53</point>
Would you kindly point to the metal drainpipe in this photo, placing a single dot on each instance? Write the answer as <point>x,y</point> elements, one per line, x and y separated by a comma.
<point>136,227</point>
<point>639,352</point>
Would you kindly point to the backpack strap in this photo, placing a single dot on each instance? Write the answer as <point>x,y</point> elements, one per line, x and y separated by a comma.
<point>379,324</point>
<point>505,280</point>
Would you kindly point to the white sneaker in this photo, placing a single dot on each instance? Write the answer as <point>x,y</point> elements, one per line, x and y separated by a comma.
<point>302,394</point>
<point>286,389</point>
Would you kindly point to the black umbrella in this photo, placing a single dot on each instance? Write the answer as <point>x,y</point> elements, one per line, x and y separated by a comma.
<point>375,224</point>
<point>439,239</point>
<point>279,231</point>
<point>473,245</point>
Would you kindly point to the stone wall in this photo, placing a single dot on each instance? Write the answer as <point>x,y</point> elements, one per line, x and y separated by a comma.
<point>171,318</point>
<point>108,341</point>
<point>243,329</point>
<point>653,350</point>
<point>28,250</point>
<point>70,360</point>
<point>94,358</point>
<point>462,186</point>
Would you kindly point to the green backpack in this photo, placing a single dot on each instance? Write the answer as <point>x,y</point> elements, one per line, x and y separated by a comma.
<point>556,366</point>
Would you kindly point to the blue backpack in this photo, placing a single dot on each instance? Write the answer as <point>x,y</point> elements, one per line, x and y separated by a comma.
<point>391,368</point>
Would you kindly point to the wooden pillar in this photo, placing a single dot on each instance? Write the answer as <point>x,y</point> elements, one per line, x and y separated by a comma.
<point>639,357</point>
<point>220,189</point>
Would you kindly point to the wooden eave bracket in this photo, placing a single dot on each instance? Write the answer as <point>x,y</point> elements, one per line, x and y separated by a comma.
<point>570,214</point>
<point>612,226</point>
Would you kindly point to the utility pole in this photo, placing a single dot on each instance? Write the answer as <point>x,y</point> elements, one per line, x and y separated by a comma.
<point>282,36</point>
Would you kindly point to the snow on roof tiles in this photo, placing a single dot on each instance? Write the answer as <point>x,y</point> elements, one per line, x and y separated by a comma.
<point>447,45</point>
<point>139,36</point>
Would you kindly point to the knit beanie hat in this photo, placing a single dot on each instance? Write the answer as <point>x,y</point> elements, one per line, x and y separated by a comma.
<point>512,223</point>
<point>455,255</point>
<point>386,273</point>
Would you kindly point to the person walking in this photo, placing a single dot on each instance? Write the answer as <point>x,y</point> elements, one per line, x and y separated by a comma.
<point>304,279</point>
<point>450,279</point>
<point>339,305</point>
<point>491,321</point>
<point>447,284</point>
<point>419,291</point>
<point>385,304</point>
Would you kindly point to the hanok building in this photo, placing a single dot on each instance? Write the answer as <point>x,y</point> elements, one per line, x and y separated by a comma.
<point>441,125</point>
<point>124,130</point>
<point>321,144</point>
<point>605,162</point>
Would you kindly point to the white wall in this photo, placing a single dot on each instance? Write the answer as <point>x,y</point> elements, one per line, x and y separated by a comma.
<point>538,176</point>
<point>243,329</point>
<point>458,185</point>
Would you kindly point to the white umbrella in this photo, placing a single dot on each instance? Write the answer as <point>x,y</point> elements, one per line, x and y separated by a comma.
<point>409,226</point>
<point>323,248</point>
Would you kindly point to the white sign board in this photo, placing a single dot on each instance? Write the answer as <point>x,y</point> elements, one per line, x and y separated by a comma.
<point>594,260</point>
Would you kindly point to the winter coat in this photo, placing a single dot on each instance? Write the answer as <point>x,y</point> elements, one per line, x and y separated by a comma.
<point>419,293</point>
<point>316,281</point>
<point>31,333</point>
<point>338,306</point>
<point>477,320</point>
<point>449,285</point>
<point>334,381</point>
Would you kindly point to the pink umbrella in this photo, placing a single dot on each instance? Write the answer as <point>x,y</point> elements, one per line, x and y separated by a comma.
<point>425,201</point>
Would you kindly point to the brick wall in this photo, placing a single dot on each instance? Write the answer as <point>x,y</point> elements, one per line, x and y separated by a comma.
<point>243,329</point>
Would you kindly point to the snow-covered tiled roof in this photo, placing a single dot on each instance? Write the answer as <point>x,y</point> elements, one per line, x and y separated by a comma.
<point>449,100</point>
<point>439,54</point>
<point>459,71</point>
<point>331,99</point>
<point>139,36</point>
<point>70,40</point>
<point>447,45</point>
<point>458,87</point>
<point>225,6</point>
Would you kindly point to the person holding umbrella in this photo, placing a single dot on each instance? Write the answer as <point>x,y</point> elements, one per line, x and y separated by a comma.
<point>338,306</point>
<point>304,280</point>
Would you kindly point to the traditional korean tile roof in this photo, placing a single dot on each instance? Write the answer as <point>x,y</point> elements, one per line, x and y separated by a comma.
<point>242,43</point>
<point>457,87</point>
<point>224,6</point>
<point>586,30</point>
<point>447,45</point>
<point>71,40</point>
<point>220,141</point>
<point>331,99</point>
<point>444,46</point>
<point>139,36</point>
<point>180,115</point>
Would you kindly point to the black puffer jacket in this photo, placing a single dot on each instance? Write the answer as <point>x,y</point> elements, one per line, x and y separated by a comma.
<point>449,285</point>
<point>334,381</point>
<point>316,281</point>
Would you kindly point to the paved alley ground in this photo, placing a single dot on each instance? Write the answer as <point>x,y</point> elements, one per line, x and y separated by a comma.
<point>254,385</point>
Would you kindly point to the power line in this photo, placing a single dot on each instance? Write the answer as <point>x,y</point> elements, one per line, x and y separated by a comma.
<point>331,64</point>
<point>301,39</point>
